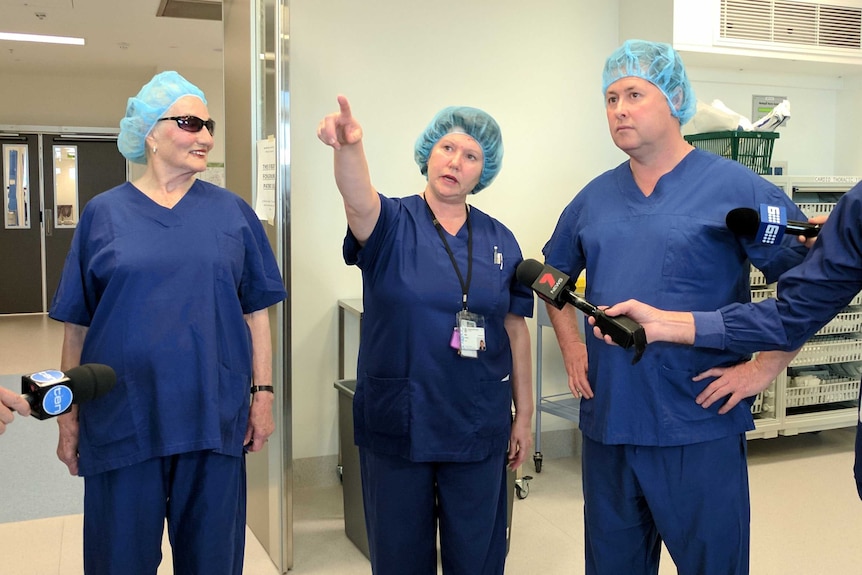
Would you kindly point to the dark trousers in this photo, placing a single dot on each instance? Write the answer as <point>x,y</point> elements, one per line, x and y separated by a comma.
<point>201,494</point>
<point>404,502</point>
<point>693,497</point>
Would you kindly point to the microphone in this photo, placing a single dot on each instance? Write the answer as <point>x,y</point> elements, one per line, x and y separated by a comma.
<point>52,392</point>
<point>768,225</point>
<point>555,287</point>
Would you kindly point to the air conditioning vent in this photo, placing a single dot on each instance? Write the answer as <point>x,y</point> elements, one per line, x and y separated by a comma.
<point>791,23</point>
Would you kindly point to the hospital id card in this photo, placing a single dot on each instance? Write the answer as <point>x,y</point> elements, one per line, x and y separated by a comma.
<point>471,331</point>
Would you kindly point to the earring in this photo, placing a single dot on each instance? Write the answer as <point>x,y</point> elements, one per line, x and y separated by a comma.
<point>155,149</point>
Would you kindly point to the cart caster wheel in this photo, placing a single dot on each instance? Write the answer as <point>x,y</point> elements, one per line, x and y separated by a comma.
<point>522,487</point>
<point>537,462</point>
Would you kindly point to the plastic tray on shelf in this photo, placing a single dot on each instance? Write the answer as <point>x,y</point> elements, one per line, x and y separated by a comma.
<point>760,294</point>
<point>834,390</point>
<point>817,208</point>
<point>756,278</point>
<point>829,349</point>
<point>844,322</point>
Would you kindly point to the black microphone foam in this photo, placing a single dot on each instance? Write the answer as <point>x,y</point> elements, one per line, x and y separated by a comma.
<point>90,380</point>
<point>528,271</point>
<point>743,221</point>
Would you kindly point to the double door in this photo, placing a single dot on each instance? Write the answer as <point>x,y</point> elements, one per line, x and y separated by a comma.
<point>47,178</point>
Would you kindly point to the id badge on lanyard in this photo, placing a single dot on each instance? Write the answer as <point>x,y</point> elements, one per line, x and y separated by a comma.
<point>469,335</point>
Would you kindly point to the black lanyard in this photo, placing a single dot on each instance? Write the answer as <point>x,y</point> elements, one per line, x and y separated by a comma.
<point>465,287</point>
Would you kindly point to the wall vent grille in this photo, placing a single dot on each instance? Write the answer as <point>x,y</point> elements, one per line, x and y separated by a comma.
<point>792,23</point>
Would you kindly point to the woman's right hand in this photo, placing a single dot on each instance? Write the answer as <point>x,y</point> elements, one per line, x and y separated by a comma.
<point>340,128</point>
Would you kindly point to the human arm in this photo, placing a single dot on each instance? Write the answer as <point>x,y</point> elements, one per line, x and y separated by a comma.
<point>261,422</point>
<point>70,356</point>
<point>9,402</point>
<point>343,133</point>
<point>742,380</point>
<point>521,438</point>
<point>659,325</point>
<point>565,322</point>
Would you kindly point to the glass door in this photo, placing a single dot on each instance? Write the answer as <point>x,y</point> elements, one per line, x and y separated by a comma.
<point>21,232</point>
<point>75,168</point>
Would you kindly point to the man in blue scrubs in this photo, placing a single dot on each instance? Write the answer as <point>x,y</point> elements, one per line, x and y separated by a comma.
<point>656,466</point>
<point>808,297</point>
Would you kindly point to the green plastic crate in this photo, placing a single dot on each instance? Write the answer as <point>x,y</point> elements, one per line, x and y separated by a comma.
<point>752,149</point>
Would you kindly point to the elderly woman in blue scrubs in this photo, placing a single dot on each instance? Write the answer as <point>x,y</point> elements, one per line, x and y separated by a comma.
<point>167,281</point>
<point>445,349</point>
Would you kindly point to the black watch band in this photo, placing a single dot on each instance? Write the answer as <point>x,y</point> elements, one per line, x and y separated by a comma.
<point>256,388</point>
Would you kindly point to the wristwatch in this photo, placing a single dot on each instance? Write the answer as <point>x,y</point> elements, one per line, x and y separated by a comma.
<point>256,388</point>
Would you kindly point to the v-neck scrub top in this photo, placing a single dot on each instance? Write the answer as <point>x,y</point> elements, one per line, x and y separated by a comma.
<point>163,293</point>
<point>415,396</point>
<point>672,250</point>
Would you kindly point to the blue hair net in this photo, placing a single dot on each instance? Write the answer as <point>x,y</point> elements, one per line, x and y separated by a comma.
<point>477,124</point>
<point>144,110</point>
<point>659,64</point>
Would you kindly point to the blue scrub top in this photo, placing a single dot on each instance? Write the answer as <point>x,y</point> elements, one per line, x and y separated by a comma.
<point>673,250</point>
<point>163,293</point>
<point>415,397</point>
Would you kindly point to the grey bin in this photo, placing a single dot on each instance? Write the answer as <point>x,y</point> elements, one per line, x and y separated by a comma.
<point>354,514</point>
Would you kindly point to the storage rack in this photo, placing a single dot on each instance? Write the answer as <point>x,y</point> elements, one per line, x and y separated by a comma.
<point>784,408</point>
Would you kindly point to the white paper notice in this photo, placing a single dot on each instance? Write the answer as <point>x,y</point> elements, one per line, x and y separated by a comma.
<point>265,203</point>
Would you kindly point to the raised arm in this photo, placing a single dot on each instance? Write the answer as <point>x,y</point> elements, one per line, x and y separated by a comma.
<point>343,133</point>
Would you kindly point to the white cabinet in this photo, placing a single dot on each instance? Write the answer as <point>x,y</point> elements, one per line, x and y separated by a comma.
<point>821,386</point>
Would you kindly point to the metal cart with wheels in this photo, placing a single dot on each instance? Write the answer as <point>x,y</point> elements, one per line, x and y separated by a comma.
<point>563,405</point>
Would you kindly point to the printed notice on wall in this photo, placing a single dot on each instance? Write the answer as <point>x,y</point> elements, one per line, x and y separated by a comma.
<point>264,205</point>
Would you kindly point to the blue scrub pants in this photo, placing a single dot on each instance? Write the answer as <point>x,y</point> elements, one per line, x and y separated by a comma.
<point>693,497</point>
<point>405,500</point>
<point>201,494</point>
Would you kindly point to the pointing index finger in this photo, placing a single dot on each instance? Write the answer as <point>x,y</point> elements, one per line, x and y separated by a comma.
<point>344,106</point>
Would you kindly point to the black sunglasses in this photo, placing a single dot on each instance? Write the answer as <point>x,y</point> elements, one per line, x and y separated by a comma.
<point>192,123</point>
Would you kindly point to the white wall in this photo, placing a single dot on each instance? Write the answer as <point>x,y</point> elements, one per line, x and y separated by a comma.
<point>808,142</point>
<point>399,62</point>
<point>94,100</point>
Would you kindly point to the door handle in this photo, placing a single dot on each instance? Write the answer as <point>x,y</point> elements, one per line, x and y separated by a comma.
<point>49,222</point>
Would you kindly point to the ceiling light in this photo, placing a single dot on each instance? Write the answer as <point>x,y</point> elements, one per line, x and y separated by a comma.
<point>40,38</point>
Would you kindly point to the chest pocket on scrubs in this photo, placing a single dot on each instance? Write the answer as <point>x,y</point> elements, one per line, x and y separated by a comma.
<point>693,248</point>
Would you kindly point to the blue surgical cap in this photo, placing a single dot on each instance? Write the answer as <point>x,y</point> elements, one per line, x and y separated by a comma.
<point>144,110</point>
<point>475,123</point>
<point>659,64</point>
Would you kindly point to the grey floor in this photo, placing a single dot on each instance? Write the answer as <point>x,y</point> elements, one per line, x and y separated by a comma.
<point>806,517</point>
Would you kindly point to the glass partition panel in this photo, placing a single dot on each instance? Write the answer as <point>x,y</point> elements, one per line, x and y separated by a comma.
<point>16,185</point>
<point>65,186</point>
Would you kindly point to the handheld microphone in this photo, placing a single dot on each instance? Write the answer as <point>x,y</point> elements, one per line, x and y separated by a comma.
<point>768,225</point>
<point>52,392</point>
<point>554,287</point>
